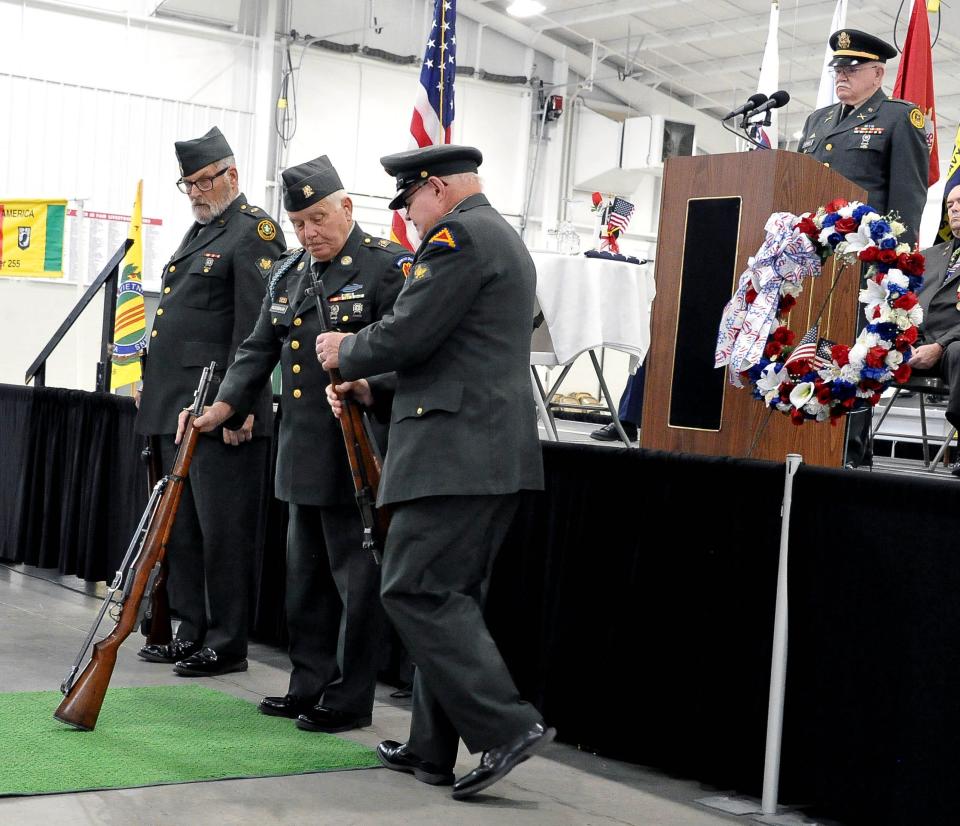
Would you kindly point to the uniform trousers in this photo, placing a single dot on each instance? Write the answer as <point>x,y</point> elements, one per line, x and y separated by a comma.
<point>437,564</point>
<point>334,616</point>
<point>214,539</point>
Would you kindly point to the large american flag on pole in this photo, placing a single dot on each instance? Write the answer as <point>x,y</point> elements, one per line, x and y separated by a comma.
<point>433,108</point>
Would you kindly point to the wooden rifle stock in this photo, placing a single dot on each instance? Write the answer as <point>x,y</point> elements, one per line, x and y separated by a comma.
<point>84,696</point>
<point>362,452</point>
<point>156,625</point>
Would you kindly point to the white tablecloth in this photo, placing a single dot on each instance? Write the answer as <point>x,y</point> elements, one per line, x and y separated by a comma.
<point>591,302</point>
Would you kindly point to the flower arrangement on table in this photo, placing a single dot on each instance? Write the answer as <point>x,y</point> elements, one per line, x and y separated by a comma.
<point>814,378</point>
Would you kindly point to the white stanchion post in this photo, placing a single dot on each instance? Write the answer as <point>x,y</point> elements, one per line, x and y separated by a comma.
<point>778,665</point>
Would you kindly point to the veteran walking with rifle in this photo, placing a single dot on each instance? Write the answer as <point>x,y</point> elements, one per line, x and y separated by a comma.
<point>454,355</point>
<point>334,616</point>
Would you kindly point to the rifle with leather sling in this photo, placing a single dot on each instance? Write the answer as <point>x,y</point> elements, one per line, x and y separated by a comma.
<point>127,597</point>
<point>362,452</point>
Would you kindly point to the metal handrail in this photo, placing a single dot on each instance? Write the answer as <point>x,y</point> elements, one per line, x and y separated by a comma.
<point>109,276</point>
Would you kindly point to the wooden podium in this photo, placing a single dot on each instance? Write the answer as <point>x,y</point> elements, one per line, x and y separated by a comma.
<point>712,217</point>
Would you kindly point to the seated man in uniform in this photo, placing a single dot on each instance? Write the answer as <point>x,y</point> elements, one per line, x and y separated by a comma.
<point>938,348</point>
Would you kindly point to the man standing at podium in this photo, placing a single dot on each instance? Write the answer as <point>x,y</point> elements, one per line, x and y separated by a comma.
<point>878,143</point>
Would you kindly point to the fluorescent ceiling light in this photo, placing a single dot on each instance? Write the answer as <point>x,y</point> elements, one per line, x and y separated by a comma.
<point>525,8</point>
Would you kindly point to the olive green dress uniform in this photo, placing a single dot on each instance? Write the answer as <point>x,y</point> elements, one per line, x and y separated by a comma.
<point>332,596</point>
<point>210,297</point>
<point>940,299</point>
<point>463,442</point>
<point>881,145</point>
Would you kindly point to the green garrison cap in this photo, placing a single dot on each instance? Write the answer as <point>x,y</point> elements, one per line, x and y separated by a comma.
<point>852,47</point>
<point>417,165</point>
<point>200,152</point>
<point>308,183</point>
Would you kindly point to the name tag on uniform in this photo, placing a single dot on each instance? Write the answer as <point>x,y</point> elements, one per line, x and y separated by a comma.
<point>278,311</point>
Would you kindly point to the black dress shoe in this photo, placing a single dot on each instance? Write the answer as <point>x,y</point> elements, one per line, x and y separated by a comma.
<point>608,433</point>
<point>321,718</point>
<point>955,468</point>
<point>168,652</point>
<point>206,663</point>
<point>395,756</point>
<point>285,706</point>
<point>496,762</point>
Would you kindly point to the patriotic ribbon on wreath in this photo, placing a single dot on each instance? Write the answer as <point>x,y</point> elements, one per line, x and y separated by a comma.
<point>785,256</point>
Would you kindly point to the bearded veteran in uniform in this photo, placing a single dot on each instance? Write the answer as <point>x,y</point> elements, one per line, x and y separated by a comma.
<point>877,142</point>
<point>333,608</point>
<point>880,144</point>
<point>463,443</point>
<point>937,350</point>
<point>212,289</point>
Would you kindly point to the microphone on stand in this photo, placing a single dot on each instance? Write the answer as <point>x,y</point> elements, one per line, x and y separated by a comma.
<point>775,101</point>
<point>752,103</point>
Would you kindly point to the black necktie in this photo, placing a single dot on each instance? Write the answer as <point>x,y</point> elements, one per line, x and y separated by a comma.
<point>846,110</point>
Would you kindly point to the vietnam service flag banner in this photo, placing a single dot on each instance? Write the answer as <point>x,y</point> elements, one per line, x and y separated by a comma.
<point>130,326</point>
<point>31,239</point>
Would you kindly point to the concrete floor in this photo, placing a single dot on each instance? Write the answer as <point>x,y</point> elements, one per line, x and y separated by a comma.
<point>44,624</point>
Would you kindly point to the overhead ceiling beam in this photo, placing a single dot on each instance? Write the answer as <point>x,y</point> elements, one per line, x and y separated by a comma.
<point>590,12</point>
<point>637,95</point>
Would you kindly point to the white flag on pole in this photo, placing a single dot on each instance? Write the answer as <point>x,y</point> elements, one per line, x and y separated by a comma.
<point>769,80</point>
<point>827,95</point>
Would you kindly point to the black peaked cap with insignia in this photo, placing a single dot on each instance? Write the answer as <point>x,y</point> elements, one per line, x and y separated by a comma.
<point>308,183</point>
<point>852,47</point>
<point>195,154</point>
<point>417,165</point>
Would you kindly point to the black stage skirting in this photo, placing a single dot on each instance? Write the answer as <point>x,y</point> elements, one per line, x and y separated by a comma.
<point>634,602</point>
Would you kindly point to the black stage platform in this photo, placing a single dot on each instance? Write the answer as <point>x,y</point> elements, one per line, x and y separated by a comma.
<point>637,580</point>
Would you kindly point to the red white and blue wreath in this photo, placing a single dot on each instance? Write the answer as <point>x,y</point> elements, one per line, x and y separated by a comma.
<point>815,378</point>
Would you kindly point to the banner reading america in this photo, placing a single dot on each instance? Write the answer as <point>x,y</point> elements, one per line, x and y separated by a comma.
<point>130,326</point>
<point>433,108</point>
<point>31,238</point>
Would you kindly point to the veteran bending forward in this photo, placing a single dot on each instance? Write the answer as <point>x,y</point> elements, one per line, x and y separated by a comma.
<point>463,443</point>
<point>334,617</point>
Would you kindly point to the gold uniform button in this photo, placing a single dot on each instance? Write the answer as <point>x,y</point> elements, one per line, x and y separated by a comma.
<point>345,318</point>
<point>273,321</point>
<point>294,345</point>
<point>828,147</point>
<point>243,206</point>
<point>206,269</point>
<point>826,163</point>
<point>366,240</point>
<point>166,290</point>
<point>172,268</point>
<point>153,334</point>
<point>160,311</point>
<point>297,322</point>
<point>296,368</point>
<point>419,411</point>
<point>297,394</point>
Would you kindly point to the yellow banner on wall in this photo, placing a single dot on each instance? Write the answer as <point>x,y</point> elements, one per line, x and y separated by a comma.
<point>31,240</point>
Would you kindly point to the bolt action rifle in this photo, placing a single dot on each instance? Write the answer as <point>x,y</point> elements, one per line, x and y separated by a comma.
<point>129,594</point>
<point>362,452</point>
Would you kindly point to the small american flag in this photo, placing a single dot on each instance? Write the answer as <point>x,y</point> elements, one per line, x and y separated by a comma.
<point>620,214</point>
<point>812,348</point>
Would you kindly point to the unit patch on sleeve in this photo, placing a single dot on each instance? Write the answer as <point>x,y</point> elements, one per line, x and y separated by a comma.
<point>444,238</point>
<point>917,118</point>
<point>404,262</point>
<point>266,230</point>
